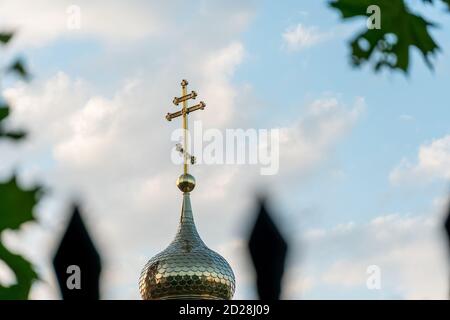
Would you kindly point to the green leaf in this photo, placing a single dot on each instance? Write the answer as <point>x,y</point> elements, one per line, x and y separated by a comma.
<point>388,47</point>
<point>16,204</point>
<point>18,67</point>
<point>351,9</point>
<point>4,113</point>
<point>5,37</point>
<point>24,272</point>
<point>447,2</point>
<point>9,134</point>
<point>13,135</point>
<point>16,208</point>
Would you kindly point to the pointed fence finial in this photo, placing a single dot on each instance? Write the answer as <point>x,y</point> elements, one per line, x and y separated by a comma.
<point>77,263</point>
<point>268,250</point>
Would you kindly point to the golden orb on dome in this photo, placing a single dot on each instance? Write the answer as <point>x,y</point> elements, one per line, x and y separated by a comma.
<point>186,182</point>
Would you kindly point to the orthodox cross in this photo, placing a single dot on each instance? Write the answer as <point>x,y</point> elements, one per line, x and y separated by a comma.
<point>185,110</point>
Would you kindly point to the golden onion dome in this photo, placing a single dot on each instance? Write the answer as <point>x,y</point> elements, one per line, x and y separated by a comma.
<point>187,268</point>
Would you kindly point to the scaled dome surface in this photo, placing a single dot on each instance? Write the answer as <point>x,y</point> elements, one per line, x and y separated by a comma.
<point>187,268</point>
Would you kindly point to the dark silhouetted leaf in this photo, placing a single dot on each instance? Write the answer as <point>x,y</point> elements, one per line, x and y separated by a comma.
<point>77,249</point>
<point>447,2</point>
<point>268,252</point>
<point>18,68</point>
<point>16,204</point>
<point>4,112</point>
<point>13,135</point>
<point>388,47</point>
<point>24,272</point>
<point>9,134</point>
<point>5,37</point>
<point>16,208</point>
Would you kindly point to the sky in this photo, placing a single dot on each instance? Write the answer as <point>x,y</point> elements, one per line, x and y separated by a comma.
<point>364,157</point>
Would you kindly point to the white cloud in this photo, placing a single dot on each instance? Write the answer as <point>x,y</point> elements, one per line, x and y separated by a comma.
<point>409,249</point>
<point>217,70</point>
<point>314,135</point>
<point>345,273</point>
<point>118,23</point>
<point>299,37</point>
<point>105,149</point>
<point>42,21</point>
<point>406,117</point>
<point>433,163</point>
<point>295,284</point>
<point>113,150</point>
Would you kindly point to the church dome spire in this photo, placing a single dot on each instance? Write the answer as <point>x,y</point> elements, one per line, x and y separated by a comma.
<point>187,268</point>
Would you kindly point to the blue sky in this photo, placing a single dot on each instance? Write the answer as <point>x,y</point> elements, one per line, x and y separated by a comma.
<point>114,81</point>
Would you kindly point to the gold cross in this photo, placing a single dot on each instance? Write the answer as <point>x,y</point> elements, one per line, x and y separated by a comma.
<point>184,112</point>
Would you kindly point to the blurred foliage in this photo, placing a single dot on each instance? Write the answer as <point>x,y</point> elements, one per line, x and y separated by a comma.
<point>401,29</point>
<point>16,204</point>
<point>18,67</point>
<point>5,37</point>
<point>8,134</point>
<point>16,208</point>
